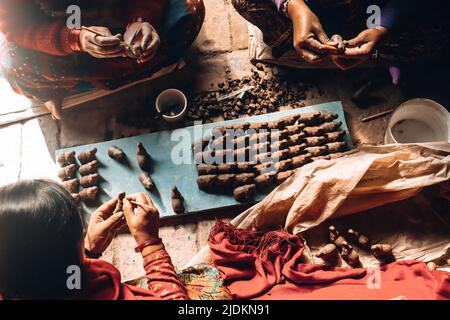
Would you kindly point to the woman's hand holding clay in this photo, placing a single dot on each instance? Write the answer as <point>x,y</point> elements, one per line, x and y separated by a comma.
<point>106,46</point>
<point>142,219</point>
<point>142,41</point>
<point>310,40</point>
<point>102,227</point>
<point>360,48</point>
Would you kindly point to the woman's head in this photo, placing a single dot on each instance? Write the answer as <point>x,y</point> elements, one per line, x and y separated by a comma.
<point>41,233</point>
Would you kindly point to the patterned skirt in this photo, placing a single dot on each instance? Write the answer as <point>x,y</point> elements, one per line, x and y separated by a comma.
<point>41,76</point>
<point>201,282</point>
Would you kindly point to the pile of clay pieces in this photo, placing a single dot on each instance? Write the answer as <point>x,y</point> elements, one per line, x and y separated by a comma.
<point>267,93</point>
<point>245,157</point>
<point>340,247</point>
<point>345,246</point>
<point>89,177</point>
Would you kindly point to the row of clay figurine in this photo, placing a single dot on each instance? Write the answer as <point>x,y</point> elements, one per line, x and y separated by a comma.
<point>257,143</point>
<point>89,179</point>
<point>288,127</point>
<point>254,169</point>
<point>293,157</point>
<point>249,177</point>
<point>306,119</point>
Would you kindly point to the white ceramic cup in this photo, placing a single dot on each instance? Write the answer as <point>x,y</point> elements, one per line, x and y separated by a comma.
<point>168,98</point>
<point>418,120</point>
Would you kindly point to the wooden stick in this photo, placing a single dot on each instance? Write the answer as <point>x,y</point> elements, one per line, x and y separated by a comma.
<point>80,98</point>
<point>142,205</point>
<point>377,115</point>
<point>93,31</point>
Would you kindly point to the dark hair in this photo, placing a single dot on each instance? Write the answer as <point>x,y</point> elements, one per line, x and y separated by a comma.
<point>41,232</point>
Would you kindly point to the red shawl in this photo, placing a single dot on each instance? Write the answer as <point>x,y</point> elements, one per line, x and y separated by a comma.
<point>268,266</point>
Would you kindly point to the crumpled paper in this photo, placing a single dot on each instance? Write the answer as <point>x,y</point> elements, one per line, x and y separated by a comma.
<point>365,178</point>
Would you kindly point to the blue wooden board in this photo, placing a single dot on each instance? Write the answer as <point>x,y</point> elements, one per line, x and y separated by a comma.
<point>117,177</point>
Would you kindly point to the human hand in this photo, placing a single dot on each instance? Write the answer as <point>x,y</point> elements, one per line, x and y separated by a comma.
<point>142,41</point>
<point>360,48</point>
<point>102,227</point>
<point>143,221</point>
<point>106,46</point>
<point>55,107</point>
<point>310,40</point>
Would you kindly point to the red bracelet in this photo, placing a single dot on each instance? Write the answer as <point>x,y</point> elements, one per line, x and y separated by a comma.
<point>74,40</point>
<point>147,243</point>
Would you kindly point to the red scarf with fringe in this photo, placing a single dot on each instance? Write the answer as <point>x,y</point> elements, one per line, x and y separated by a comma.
<point>268,266</point>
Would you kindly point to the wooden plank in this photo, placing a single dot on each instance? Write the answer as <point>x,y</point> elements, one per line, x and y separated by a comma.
<point>74,101</point>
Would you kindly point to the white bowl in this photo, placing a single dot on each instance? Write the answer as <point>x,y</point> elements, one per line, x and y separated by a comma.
<point>170,97</point>
<point>418,120</point>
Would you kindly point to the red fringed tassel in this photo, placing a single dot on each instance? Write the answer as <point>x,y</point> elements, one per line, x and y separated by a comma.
<point>258,243</point>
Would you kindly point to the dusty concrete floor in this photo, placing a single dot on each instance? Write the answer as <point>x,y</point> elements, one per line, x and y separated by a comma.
<point>27,149</point>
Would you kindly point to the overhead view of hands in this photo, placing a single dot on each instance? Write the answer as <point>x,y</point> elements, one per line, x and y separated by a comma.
<point>140,42</point>
<point>103,226</point>
<point>310,40</point>
<point>142,221</point>
<point>313,44</point>
<point>143,218</point>
<point>105,46</point>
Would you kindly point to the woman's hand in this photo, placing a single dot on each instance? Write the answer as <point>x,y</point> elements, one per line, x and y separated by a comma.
<point>55,107</point>
<point>143,221</point>
<point>360,48</point>
<point>106,46</point>
<point>102,227</point>
<point>142,41</point>
<point>310,40</point>
<point>364,43</point>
